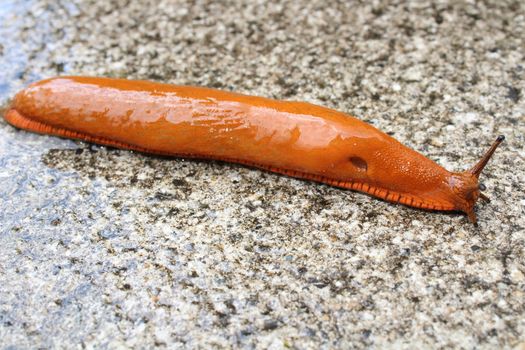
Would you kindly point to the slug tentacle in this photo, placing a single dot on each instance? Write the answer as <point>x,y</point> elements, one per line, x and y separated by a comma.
<point>484,197</point>
<point>466,187</point>
<point>478,168</point>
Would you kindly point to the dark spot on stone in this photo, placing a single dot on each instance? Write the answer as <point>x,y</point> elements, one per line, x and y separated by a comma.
<point>224,319</point>
<point>126,286</point>
<point>359,163</point>
<point>263,248</point>
<point>377,11</point>
<point>438,18</point>
<point>229,304</point>
<point>179,182</point>
<point>58,302</point>
<point>216,84</point>
<point>373,34</point>
<point>55,222</point>
<point>318,283</point>
<point>119,271</point>
<point>302,270</point>
<point>250,206</point>
<point>246,332</point>
<point>235,237</point>
<point>162,196</point>
<point>155,76</point>
<point>270,325</point>
<point>129,249</point>
<point>433,96</point>
<point>475,282</point>
<point>266,311</point>
<point>475,248</point>
<point>58,67</point>
<point>493,332</point>
<point>474,16</point>
<point>366,333</point>
<point>514,94</point>
<point>322,202</point>
<point>405,252</point>
<point>371,214</point>
<point>79,151</point>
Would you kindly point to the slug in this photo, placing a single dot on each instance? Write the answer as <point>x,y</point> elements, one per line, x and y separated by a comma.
<point>297,139</point>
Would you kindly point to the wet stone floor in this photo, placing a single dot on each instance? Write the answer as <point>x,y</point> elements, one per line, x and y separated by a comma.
<point>106,248</point>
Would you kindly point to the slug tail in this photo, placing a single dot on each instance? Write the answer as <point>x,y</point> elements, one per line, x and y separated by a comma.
<point>478,168</point>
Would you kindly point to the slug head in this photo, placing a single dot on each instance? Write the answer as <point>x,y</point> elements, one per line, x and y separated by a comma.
<point>466,186</point>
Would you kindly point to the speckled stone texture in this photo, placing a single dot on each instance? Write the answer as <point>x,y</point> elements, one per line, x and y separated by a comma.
<point>103,248</point>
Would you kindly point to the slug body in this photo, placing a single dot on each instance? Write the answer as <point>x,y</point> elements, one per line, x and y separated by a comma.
<point>293,138</point>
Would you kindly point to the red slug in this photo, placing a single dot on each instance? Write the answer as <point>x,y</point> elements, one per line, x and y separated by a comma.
<point>292,138</point>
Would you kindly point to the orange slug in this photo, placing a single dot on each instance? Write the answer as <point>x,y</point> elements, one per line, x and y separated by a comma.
<point>293,138</point>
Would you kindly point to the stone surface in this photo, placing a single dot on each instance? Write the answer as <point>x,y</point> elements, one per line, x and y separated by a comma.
<point>107,248</point>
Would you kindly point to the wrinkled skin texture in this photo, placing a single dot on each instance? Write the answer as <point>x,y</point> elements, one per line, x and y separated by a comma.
<point>293,138</point>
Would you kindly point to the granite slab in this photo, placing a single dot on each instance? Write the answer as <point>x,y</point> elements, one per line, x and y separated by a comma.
<point>105,248</point>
